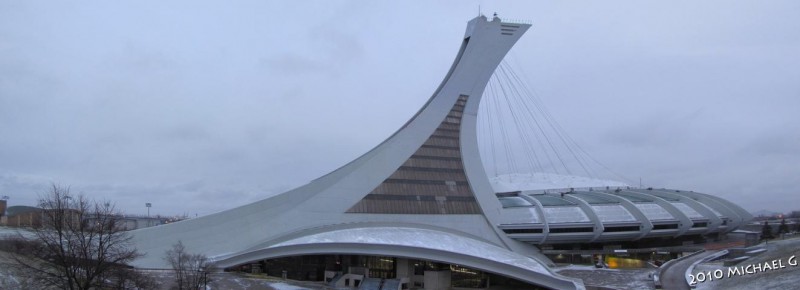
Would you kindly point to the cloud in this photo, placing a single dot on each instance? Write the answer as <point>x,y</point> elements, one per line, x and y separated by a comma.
<point>198,107</point>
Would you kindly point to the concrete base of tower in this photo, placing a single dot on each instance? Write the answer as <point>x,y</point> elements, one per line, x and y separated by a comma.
<point>400,254</point>
<point>341,271</point>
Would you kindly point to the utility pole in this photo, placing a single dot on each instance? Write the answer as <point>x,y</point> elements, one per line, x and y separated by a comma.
<point>3,205</point>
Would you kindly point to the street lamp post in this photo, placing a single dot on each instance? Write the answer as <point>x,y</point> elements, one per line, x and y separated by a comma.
<point>204,274</point>
<point>4,205</point>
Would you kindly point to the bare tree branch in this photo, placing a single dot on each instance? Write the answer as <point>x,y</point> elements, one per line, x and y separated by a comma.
<point>77,244</point>
<point>190,269</point>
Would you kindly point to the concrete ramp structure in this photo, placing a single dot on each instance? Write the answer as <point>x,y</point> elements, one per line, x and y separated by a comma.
<point>420,194</point>
<point>418,208</point>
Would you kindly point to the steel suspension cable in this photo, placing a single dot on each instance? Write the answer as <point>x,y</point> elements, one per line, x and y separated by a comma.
<point>518,125</point>
<point>508,71</point>
<point>549,142</point>
<point>535,97</point>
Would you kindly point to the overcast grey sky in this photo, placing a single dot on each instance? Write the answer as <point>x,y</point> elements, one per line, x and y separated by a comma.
<point>198,107</point>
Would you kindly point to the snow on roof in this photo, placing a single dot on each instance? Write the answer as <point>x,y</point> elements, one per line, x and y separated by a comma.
<point>420,238</point>
<point>613,213</point>
<point>563,214</point>
<point>654,212</point>
<point>688,211</point>
<point>541,181</point>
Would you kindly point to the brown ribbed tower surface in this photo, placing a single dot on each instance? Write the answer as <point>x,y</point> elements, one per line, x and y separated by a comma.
<point>431,181</point>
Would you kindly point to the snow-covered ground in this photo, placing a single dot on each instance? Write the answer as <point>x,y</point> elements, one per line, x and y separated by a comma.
<point>14,232</point>
<point>251,282</point>
<point>237,281</point>
<point>542,181</point>
<point>8,279</point>
<point>611,278</point>
<point>284,286</point>
<point>787,277</point>
<point>164,280</point>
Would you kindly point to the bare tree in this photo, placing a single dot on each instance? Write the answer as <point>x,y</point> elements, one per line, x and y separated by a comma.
<point>783,227</point>
<point>77,244</point>
<point>190,269</point>
<point>126,278</point>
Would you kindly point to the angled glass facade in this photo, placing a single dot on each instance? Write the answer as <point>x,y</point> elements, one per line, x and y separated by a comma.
<point>431,181</point>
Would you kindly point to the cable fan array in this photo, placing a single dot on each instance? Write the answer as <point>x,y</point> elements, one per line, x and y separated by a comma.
<point>518,134</point>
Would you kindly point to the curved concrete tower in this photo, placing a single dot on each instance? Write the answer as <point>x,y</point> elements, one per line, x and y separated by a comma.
<point>420,194</point>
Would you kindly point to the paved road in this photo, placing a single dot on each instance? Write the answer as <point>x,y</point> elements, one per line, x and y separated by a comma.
<point>673,276</point>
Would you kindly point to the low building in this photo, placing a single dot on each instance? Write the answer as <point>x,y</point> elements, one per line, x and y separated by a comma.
<point>28,216</point>
<point>3,204</point>
<point>23,216</point>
